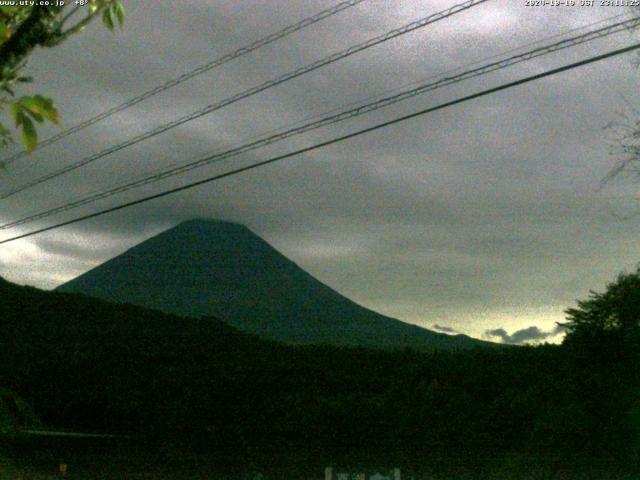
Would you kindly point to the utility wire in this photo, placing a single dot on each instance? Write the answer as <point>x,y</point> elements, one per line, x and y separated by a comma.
<point>332,119</point>
<point>342,138</point>
<point>252,91</point>
<point>193,73</point>
<point>405,86</point>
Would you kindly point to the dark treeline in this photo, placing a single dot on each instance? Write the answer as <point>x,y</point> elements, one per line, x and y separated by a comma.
<point>569,411</point>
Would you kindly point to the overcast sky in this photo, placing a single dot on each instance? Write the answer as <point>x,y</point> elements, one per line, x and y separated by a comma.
<point>482,217</point>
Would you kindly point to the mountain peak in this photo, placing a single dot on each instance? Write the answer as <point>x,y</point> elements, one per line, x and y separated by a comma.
<point>208,223</point>
<point>204,226</point>
<point>219,268</point>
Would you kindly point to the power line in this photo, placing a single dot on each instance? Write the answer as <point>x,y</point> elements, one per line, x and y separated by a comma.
<point>449,72</point>
<point>192,73</point>
<point>332,119</point>
<point>236,171</point>
<point>252,91</point>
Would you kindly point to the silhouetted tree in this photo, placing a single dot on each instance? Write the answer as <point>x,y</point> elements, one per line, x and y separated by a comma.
<point>617,309</point>
<point>603,343</point>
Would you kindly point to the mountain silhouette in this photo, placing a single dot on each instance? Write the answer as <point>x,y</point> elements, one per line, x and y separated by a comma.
<point>222,269</point>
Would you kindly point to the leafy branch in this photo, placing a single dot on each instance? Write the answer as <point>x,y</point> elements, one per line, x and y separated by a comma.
<point>22,30</point>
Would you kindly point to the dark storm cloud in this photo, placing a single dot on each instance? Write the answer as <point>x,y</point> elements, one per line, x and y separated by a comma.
<point>479,215</point>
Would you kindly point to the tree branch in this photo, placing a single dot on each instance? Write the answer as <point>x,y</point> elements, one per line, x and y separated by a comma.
<point>34,31</point>
<point>69,15</point>
<point>75,29</point>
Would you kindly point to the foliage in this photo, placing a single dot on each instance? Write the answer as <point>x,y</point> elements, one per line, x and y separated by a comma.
<point>27,109</point>
<point>617,309</point>
<point>604,344</point>
<point>24,28</point>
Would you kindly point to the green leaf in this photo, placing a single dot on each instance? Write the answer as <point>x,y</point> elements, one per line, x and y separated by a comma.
<point>39,108</point>
<point>16,113</point>
<point>48,109</point>
<point>119,9</point>
<point>107,18</point>
<point>44,101</point>
<point>5,32</point>
<point>21,117</point>
<point>31,104</point>
<point>29,134</point>
<point>36,116</point>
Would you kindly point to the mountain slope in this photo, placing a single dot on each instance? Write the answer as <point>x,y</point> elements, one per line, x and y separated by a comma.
<point>222,269</point>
